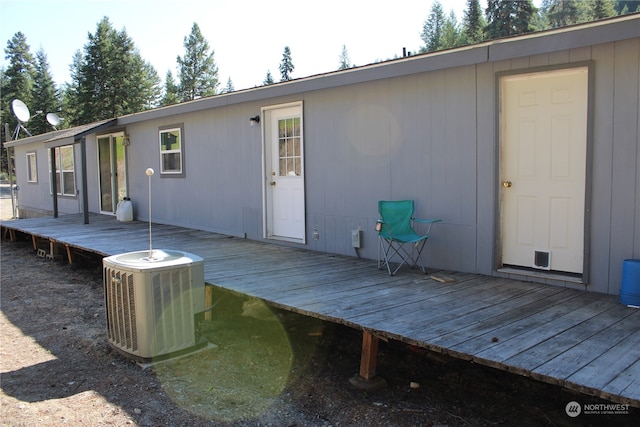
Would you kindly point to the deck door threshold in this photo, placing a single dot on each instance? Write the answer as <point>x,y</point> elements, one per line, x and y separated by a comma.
<point>532,275</point>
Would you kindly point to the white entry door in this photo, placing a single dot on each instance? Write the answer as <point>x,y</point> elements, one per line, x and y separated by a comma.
<point>543,151</point>
<point>284,167</point>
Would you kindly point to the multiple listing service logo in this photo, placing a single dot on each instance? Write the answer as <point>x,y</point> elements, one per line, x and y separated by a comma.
<point>574,409</point>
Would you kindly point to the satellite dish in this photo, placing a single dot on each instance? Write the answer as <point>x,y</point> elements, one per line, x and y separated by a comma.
<point>53,119</point>
<point>20,110</point>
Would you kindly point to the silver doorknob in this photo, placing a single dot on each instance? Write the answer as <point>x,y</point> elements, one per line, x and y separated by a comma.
<point>507,184</point>
<point>273,183</point>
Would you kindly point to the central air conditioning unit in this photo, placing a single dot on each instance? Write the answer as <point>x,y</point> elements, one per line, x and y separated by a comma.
<point>152,299</point>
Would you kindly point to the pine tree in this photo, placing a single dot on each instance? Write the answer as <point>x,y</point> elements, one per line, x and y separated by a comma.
<point>17,80</point>
<point>345,62</point>
<point>560,13</point>
<point>525,14</point>
<point>71,91</point>
<point>171,91</point>
<point>137,85</point>
<point>451,34</point>
<point>286,66</point>
<point>499,16</point>
<point>268,80</point>
<point>94,76</point>
<point>627,6</point>
<point>229,87</point>
<point>44,95</point>
<point>433,28</point>
<point>198,72</point>
<point>509,17</point>
<point>473,23</point>
<point>148,84</point>
<point>111,78</point>
<point>601,9</point>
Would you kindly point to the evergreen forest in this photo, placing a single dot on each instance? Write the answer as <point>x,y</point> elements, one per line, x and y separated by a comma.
<point>110,78</point>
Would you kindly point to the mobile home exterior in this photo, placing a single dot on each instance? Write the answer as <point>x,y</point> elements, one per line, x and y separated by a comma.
<point>527,148</point>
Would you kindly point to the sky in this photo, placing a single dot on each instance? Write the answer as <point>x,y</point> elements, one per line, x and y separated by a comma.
<point>247,37</point>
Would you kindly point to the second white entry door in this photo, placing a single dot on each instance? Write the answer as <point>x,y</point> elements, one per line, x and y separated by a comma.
<point>284,165</point>
<point>543,169</point>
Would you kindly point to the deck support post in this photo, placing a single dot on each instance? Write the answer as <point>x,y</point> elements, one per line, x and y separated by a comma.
<point>69,253</point>
<point>54,253</point>
<point>367,379</point>
<point>369,357</point>
<point>208,301</point>
<point>85,191</point>
<point>54,181</point>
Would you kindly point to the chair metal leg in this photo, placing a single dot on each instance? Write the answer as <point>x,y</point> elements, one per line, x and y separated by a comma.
<point>418,259</point>
<point>385,256</point>
<point>392,249</point>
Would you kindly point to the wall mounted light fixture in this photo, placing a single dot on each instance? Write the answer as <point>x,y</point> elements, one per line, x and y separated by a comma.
<point>254,120</point>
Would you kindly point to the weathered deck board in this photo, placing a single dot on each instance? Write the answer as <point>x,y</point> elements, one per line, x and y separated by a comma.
<point>586,350</point>
<point>627,383</point>
<point>584,341</point>
<point>489,319</point>
<point>543,353</point>
<point>619,358</point>
<point>520,345</point>
<point>555,306</point>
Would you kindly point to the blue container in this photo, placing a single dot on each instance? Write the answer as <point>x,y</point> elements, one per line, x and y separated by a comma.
<point>630,290</point>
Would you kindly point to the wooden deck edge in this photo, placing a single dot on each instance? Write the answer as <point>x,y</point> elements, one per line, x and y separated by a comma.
<point>7,231</point>
<point>588,391</point>
<point>569,385</point>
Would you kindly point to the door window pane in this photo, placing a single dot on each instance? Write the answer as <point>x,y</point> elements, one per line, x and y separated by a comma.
<point>289,147</point>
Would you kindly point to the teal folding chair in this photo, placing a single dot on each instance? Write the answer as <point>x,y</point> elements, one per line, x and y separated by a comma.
<point>397,238</point>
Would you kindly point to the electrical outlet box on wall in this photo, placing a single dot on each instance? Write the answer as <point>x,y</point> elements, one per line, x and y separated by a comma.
<point>356,238</point>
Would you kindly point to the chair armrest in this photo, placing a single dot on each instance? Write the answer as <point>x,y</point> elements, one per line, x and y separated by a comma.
<point>427,221</point>
<point>430,222</point>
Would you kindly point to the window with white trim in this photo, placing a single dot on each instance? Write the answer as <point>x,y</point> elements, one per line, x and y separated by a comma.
<point>32,167</point>
<point>65,171</point>
<point>171,151</point>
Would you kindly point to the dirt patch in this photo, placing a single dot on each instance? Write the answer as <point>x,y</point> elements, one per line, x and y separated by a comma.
<point>268,368</point>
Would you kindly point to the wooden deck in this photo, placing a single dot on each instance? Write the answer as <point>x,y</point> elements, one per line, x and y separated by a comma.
<point>583,341</point>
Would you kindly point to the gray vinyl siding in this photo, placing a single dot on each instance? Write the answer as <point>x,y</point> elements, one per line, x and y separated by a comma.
<point>426,136</point>
<point>625,185</point>
<point>34,198</point>
<point>394,139</point>
<point>422,128</point>
<point>222,171</point>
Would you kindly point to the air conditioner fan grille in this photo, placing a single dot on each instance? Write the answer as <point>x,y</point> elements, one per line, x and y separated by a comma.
<point>121,309</point>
